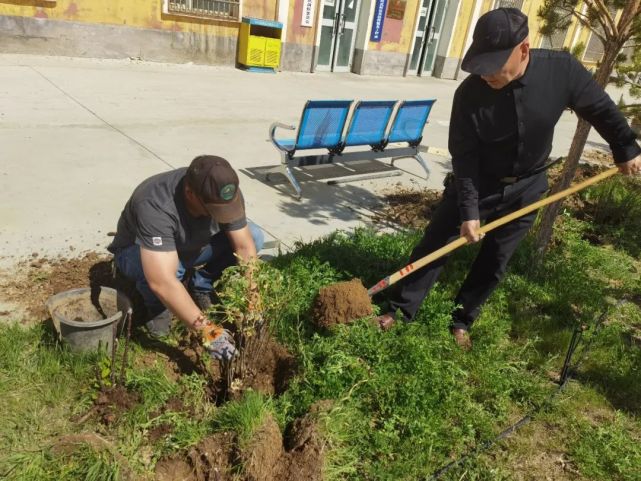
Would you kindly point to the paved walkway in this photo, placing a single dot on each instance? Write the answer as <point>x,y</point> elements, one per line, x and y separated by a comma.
<point>78,135</point>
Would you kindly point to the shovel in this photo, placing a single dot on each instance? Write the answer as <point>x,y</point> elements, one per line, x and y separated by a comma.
<point>423,261</point>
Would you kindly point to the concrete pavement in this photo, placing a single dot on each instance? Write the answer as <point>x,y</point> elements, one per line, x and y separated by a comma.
<point>78,135</point>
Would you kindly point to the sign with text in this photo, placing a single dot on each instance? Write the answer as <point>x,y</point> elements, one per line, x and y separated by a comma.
<point>377,23</point>
<point>308,13</point>
<point>396,9</point>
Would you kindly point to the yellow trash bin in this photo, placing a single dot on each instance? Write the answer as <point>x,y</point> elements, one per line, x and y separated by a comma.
<point>259,45</point>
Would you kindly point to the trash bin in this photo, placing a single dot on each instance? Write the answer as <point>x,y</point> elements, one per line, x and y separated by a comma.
<point>259,45</point>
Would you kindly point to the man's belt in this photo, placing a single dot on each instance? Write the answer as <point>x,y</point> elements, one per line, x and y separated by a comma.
<point>515,179</point>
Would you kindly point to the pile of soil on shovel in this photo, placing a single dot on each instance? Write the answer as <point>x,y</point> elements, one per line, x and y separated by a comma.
<point>267,456</point>
<point>341,303</point>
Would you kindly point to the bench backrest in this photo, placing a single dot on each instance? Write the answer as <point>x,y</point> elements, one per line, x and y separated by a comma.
<point>410,120</point>
<point>322,124</point>
<point>369,122</point>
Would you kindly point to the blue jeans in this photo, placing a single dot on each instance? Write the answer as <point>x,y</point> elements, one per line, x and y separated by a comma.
<point>214,258</point>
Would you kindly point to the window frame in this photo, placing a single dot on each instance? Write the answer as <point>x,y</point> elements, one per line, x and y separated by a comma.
<point>167,10</point>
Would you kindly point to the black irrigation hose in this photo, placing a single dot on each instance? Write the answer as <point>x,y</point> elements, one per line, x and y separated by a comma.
<point>566,373</point>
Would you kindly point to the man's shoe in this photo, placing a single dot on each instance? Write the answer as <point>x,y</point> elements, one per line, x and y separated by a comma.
<point>159,325</point>
<point>462,338</point>
<point>202,300</point>
<point>386,321</point>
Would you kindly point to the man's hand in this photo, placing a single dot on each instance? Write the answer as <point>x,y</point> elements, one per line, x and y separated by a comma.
<point>631,167</point>
<point>218,342</point>
<point>470,230</point>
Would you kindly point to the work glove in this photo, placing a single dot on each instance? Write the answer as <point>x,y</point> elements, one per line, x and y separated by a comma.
<point>218,342</point>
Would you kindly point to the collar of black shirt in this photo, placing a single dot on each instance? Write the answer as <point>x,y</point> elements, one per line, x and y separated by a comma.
<point>526,77</point>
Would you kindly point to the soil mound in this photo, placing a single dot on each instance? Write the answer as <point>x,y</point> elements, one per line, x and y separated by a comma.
<point>30,283</point>
<point>209,460</point>
<point>266,459</point>
<point>111,403</point>
<point>341,303</point>
<point>262,454</point>
<point>407,207</point>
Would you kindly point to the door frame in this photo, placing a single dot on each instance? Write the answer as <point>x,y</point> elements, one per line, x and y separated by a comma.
<point>417,21</point>
<point>320,22</point>
<point>421,69</point>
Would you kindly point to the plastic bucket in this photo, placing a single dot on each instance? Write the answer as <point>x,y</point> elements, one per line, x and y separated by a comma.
<point>84,318</point>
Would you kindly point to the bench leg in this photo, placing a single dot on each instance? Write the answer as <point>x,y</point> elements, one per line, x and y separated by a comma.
<point>285,170</point>
<point>419,159</point>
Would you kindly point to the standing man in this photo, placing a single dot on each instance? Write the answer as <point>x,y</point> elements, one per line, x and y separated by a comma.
<point>501,129</point>
<point>179,220</point>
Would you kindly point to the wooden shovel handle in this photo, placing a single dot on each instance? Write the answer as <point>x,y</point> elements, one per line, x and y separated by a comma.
<point>446,249</point>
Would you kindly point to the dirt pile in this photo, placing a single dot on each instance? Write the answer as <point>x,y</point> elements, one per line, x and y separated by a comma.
<point>406,207</point>
<point>300,458</point>
<point>111,403</point>
<point>265,457</point>
<point>30,283</point>
<point>210,460</point>
<point>341,303</point>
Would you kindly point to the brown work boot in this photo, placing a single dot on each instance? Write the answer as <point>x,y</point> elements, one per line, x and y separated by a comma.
<point>462,338</point>
<point>385,322</point>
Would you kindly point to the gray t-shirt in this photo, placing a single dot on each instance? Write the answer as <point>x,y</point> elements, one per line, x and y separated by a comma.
<point>156,218</point>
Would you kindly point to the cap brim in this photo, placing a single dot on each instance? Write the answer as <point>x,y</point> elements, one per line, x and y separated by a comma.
<point>485,63</point>
<point>227,212</point>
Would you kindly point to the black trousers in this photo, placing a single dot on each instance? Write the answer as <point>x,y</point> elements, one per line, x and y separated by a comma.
<point>491,262</point>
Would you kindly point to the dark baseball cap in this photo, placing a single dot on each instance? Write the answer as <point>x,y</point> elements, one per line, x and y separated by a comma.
<point>496,34</point>
<point>215,182</point>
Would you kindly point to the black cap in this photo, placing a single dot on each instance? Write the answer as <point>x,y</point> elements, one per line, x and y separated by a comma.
<point>215,182</point>
<point>496,34</point>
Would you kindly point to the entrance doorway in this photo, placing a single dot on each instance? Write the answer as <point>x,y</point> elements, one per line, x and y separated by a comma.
<point>426,39</point>
<point>338,33</point>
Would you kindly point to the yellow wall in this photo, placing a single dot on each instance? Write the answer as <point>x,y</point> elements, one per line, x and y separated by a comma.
<point>398,35</point>
<point>133,13</point>
<point>297,33</point>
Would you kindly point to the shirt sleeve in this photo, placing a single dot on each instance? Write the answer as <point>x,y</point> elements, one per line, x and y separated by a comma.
<point>592,103</point>
<point>155,229</point>
<point>236,225</point>
<point>464,148</point>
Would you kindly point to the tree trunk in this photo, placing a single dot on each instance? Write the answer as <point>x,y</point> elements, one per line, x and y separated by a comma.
<point>544,233</point>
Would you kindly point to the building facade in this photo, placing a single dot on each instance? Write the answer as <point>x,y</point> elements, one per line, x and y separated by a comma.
<point>374,37</point>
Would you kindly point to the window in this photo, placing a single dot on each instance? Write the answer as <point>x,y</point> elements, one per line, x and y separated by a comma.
<point>594,50</point>
<point>509,4</point>
<point>215,9</point>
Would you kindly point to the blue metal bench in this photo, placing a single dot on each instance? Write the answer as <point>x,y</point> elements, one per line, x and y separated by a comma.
<point>372,123</point>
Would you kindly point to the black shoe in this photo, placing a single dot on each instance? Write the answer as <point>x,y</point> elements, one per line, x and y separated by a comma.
<point>202,300</point>
<point>158,326</point>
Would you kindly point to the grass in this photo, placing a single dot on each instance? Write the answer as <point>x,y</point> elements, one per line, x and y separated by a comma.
<point>404,403</point>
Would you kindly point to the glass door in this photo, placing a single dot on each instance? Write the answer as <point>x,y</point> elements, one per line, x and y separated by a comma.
<point>338,32</point>
<point>433,36</point>
<point>419,37</point>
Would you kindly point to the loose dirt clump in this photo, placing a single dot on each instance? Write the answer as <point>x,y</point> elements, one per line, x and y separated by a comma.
<point>341,303</point>
<point>262,454</point>
<point>265,458</point>
<point>174,470</point>
<point>210,460</point>
<point>112,403</point>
